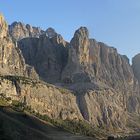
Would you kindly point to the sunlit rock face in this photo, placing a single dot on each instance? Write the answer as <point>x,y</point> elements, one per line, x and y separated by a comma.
<point>96,61</point>
<point>11,59</point>
<point>78,64</point>
<point>100,75</point>
<point>45,99</point>
<point>3,27</point>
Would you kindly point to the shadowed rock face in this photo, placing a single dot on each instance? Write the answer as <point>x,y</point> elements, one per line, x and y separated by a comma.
<point>46,50</point>
<point>136,66</point>
<point>47,55</point>
<point>51,32</point>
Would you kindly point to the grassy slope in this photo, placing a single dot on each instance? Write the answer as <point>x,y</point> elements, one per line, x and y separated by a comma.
<point>16,125</point>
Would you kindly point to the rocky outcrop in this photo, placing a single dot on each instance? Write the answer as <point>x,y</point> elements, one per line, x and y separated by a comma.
<point>19,30</point>
<point>78,59</point>
<point>47,99</point>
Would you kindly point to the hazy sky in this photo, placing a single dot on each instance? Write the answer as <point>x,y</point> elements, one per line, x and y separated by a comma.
<point>114,22</point>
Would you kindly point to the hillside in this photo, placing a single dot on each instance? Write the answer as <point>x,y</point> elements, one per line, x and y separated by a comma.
<point>18,125</point>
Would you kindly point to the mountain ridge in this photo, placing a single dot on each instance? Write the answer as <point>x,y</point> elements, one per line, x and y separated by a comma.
<point>96,83</point>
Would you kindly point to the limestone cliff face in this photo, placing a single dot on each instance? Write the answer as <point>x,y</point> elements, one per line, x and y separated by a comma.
<point>92,65</point>
<point>80,43</point>
<point>100,109</point>
<point>11,59</point>
<point>47,54</point>
<point>78,66</point>
<point>19,30</point>
<point>46,50</point>
<point>91,60</point>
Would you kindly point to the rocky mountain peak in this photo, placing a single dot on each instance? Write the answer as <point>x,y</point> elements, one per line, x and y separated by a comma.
<point>51,32</point>
<point>58,40</point>
<point>53,37</point>
<point>80,39</point>
<point>3,27</point>
<point>20,30</point>
<point>82,32</point>
<point>80,42</point>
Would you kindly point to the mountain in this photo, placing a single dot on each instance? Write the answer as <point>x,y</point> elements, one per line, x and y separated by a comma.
<point>82,80</point>
<point>88,68</point>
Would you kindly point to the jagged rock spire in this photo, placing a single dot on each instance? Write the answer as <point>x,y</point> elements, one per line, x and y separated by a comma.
<point>80,39</point>
<point>80,42</point>
<point>3,27</point>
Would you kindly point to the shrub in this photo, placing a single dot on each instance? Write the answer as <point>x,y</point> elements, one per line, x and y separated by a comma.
<point>18,106</point>
<point>3,102</point>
